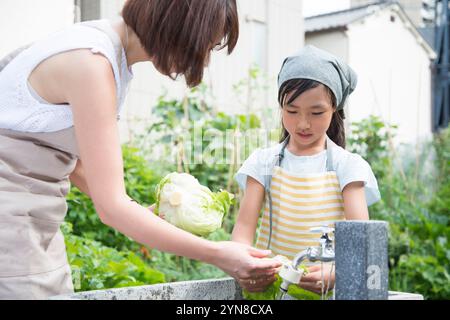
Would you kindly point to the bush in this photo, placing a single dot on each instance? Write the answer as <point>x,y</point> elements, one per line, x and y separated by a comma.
<point>140,183</point>
<point>95,266</point>
<point>90,243</point>
<point>415,202</point>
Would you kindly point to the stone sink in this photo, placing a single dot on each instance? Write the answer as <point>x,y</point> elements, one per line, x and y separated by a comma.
<point>216,289</point>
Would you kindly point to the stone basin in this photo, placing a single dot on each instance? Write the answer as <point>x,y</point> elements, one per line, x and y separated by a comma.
<point>215,289</point>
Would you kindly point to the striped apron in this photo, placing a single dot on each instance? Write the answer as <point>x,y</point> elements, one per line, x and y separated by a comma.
<point>299,202</point>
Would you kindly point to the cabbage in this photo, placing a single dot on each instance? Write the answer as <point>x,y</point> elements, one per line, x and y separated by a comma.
<point>182,201</point>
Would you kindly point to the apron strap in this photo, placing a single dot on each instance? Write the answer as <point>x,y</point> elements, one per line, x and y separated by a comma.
<point>330,145</point>
<point>277,161</point>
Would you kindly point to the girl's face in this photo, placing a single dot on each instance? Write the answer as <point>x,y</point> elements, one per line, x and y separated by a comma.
<point>308,117</point>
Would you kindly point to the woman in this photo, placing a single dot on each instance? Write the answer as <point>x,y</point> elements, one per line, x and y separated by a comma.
<point>59,103</point>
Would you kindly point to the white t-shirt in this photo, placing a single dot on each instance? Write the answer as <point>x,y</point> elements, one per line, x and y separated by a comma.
<point>349,168</point>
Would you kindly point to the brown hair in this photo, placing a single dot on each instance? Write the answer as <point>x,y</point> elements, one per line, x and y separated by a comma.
<point>336,131</point>
<point>179,34</point>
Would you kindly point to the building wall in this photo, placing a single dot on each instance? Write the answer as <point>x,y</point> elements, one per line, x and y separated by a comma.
<point>413,9</point>
<point>24,21</point>
<point>335,42</point>
<point>394,76</point>
<point>269,31</point>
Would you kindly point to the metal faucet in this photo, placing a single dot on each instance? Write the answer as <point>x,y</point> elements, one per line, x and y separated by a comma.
<point>324,252</point>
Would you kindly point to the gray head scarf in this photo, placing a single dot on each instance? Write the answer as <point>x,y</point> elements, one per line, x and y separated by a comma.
<point>318,65</point>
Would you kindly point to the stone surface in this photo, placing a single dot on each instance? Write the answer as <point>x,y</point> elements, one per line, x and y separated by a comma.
<point>218,289</point>
<point>361,260</point>
<point>215,289</point>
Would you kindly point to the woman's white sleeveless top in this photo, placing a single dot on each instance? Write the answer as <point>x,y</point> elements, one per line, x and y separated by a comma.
<point>22,110</point>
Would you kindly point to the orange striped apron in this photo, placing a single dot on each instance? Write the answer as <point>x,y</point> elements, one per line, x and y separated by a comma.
<point>295,203</point>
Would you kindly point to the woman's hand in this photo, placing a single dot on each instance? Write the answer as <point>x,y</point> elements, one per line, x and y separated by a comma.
<point>256,284</point>
<point>249,266</point>
<point>313,280</point>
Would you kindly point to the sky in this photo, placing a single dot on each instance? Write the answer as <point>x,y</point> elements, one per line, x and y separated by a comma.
<point>314,7</point>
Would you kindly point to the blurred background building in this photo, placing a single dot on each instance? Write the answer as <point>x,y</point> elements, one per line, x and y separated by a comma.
<point>392,59</point>
<point>390,44</point>
<point>270,29</point>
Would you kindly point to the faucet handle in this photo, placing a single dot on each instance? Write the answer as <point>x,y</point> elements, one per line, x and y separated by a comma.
<point>322,229</point>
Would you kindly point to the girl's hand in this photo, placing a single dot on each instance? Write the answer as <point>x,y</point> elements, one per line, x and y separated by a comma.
<point>249,266</point>
<point>313,280</point>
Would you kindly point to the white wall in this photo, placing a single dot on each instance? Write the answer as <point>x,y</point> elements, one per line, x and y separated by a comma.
<point>413,8</point>
<point>284,27</point>
<point>284,23</point>
<point>316,7</point>
<point>335,42</point>
<point>394,76</point>
<point>24,21</point>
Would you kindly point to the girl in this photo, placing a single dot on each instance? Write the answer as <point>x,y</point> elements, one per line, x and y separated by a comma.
<point>310,179</point>
<point>59,103</point>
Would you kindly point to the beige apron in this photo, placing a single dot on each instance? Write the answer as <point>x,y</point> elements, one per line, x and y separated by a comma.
<point>34,180</point>
<point>299,202</point>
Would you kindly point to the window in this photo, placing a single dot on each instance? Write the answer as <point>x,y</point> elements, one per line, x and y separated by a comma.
<point>87,10</point>
<point>259,43</point>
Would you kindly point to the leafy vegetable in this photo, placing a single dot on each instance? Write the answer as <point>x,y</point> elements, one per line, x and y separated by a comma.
<point>185,203</point>
<point>271,292</point>
<point>294,291</point>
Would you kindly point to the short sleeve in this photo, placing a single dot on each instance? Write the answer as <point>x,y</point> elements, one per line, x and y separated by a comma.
<point>257,166</point>
<point>354,168</point>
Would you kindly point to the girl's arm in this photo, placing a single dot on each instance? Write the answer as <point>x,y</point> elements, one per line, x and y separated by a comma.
<point>355,205</point>
<point>245,228</point>
<point>87,83</point>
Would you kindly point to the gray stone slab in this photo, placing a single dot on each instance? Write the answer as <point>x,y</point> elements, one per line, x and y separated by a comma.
<point>361,260</point>
<point>214,289</point>
<point>217,289</point>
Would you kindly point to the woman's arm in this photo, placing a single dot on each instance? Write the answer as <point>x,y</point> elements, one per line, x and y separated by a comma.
<point>355,205</point>
<point>252,201</point>
<point>78,179</point>
<point>88,85</point>
<point>245,229</point>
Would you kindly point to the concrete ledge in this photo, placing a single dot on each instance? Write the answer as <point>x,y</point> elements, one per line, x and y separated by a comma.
<point>216,289</point>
